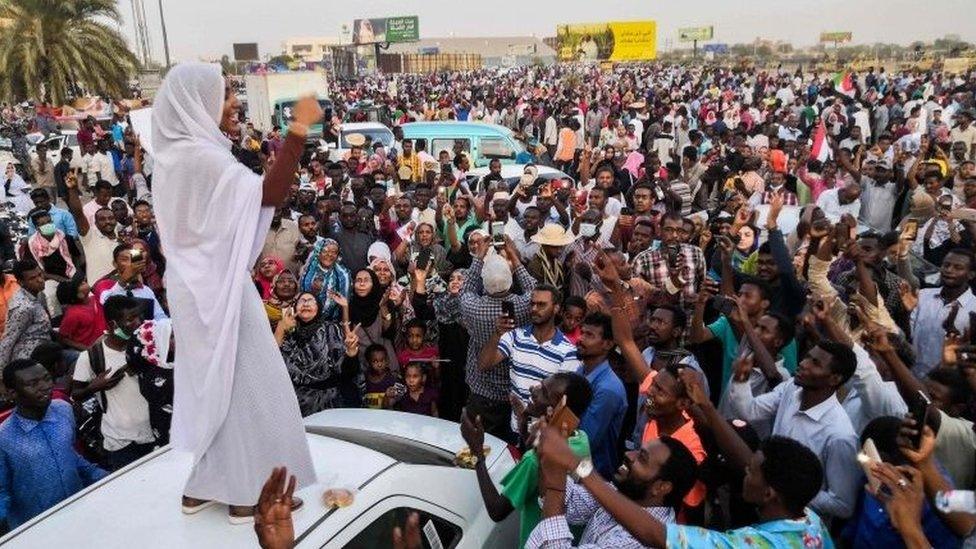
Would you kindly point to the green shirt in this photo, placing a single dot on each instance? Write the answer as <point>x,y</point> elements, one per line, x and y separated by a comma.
<point>521,485</point>
<point>723,331</point>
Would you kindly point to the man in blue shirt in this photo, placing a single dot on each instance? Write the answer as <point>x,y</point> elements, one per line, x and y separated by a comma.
<point>603,418</point>
<point>61,218</point>
<point>39,466</point>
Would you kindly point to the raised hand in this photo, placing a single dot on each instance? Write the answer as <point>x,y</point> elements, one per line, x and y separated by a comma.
<point>288,321</point>
<point>909,295</point>
<point>307,111</point>
<point>272,514</point>
<point>408,537</point>
<point>473,433</point>
<point>693,386</point>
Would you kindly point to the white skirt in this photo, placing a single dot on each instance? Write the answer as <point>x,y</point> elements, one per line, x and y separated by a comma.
<point>263,428</point>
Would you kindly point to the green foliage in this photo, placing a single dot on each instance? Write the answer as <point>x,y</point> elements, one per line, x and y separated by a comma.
<point>50,49</point>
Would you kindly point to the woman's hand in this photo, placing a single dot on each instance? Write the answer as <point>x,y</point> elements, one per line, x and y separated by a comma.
<point>307,111</point>
<point>339,299</point>
<point>288,320</point>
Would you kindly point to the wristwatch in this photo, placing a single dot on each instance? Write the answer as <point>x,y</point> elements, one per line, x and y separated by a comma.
<point>582,470</point>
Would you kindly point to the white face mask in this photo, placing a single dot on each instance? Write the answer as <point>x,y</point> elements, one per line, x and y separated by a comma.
<point>587,230</point>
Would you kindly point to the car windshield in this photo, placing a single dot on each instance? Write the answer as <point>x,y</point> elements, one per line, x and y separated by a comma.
<point>372,135</point>
<point>286,107</point>
<point>402,449</point>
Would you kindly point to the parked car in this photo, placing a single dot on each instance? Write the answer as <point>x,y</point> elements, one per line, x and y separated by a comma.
<point>57,141</point>
<point>482,141</point>
<point>512,173</point>
<point>374,131</point>
<point>394,463</point>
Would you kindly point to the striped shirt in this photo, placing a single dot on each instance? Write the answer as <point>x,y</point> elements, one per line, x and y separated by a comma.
<point>531,361</point>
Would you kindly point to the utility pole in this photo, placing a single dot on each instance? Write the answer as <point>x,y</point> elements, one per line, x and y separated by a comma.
<point>141,32</point>
<point>162,22</point>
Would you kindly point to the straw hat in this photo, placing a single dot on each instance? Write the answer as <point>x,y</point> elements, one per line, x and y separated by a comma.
<point>552,235</point>
<point>356,139</point>
<point>405,172</point>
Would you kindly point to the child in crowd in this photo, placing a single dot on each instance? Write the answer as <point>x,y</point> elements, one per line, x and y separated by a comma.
<point>574,310</point>
<point>415,349</point>
<point>418,398</point>
<point>379,379</point>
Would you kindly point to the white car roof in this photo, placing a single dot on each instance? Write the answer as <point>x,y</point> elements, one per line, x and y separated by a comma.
<point>515,170</point>
<point>352,126</point>
<point>140,505</point>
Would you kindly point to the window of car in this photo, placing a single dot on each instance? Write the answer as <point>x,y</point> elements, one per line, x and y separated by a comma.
<point>435,531</point>
<point>496,147</point>
<point>438,145</point>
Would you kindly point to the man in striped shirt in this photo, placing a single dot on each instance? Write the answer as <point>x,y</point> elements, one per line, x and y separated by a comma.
<point>536,351</point>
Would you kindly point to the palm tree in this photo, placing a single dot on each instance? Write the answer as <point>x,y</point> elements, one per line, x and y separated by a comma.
<point>50,48</point>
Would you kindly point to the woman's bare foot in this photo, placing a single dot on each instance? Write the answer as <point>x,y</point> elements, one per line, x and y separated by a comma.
<point>244,514</point>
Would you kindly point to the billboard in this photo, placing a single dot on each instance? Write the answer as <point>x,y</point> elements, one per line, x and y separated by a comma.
<point>719,48</point>
<point>247,51</point>
<point>613,41</point>
<point>386,29</point>
<point>836,37</point>
<point>691,34</point>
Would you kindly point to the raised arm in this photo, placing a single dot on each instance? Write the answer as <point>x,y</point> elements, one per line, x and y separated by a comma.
<point>278,180</point>
<point>623,332</point>
<point>74,204</point>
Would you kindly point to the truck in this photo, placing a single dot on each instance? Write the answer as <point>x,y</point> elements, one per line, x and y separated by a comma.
<point>271,96</point>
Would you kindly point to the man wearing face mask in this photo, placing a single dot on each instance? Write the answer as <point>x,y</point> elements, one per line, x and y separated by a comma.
<point>104,372</point>
<point>61,218</point>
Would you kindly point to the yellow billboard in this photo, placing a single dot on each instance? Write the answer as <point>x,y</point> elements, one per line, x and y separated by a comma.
<point>613,41</point>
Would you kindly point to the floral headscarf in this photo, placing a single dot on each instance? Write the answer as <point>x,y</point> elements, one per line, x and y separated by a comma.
<point>333,279</point>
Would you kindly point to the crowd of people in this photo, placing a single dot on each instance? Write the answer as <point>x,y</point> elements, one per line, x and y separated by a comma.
<point>742,278</point>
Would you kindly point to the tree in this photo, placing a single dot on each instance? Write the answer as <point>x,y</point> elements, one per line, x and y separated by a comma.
<point>51,48</point>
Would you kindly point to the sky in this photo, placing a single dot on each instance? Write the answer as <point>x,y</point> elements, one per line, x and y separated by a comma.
<point>207,28</point>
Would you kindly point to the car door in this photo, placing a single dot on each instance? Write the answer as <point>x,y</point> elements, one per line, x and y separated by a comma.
<point>374,527</point>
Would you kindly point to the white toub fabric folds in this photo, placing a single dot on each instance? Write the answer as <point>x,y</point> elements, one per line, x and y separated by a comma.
<point>234,406</point>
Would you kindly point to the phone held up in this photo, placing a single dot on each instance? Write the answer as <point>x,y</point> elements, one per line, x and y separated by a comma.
<point>508,309</point>
<point>498,235</point>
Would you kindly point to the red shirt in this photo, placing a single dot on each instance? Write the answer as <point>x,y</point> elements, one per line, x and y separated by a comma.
<point>84,323</point>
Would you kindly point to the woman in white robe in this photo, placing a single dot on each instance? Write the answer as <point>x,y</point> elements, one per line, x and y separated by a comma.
<point>234,406</point>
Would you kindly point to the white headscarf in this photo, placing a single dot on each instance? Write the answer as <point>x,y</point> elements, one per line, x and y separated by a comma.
<point>212,226</point>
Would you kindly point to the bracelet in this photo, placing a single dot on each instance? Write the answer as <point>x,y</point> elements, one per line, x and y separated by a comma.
<point>552,489</point>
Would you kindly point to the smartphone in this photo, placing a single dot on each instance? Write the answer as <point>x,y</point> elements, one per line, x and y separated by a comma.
<point>498,234</point>
<point>910,230</point>
<point>135,255</point>
<point>972,328</point>
<point>563,416</point>
<point>724,305</point>
<point>867,457</point>
<point>626,211</point>
<point>508,309</point>
<point>918,409</point>
<point>423,259</point>
<point>949,324</point>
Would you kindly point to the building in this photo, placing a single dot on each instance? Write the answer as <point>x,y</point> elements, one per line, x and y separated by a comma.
<point>308,48</point>
<point>495,51</point>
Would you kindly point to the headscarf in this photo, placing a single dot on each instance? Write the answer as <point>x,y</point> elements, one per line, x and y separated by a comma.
<point>209,213</point>
<point>264,283</point>
<point>305,331</point>
<point>364,310</point>
<point>274,305</point>
<point>334,278</point>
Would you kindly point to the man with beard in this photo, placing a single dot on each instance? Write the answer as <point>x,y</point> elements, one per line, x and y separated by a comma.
<point>604,418</point>
<point>520,487</point>
<point>282,239</point>
<point>781,478</point>
<point>652,480</point>
<point>309,228</point>
<point>676,268</point>
<point>353,242</point>
<point>533,352</point>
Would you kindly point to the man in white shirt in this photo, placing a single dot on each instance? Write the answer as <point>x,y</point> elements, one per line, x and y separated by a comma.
<point>965,132</point>
<point>102,372</point>
<point>98,241</point>
<point>102,166</point>
<point>839,201</point>
<point>806,409</point>
<point>934,306</point>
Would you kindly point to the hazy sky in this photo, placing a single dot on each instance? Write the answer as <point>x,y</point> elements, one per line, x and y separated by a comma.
<point>208,27</point>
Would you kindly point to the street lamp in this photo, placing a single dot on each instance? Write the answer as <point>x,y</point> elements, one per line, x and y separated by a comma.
<point>162,22</point>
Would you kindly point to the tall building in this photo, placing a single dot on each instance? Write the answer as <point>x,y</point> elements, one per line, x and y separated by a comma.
<point>308,48</point>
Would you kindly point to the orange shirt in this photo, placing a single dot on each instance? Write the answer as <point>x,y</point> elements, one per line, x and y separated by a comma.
<point>567,145</point>
<point>685,435</point>
<point>7,290</point>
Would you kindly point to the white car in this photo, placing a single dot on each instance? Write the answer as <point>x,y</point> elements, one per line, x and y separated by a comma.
<point>57,141</point>
<point>375,131</point>
<point>512,173</point>
<point>394,462</point>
